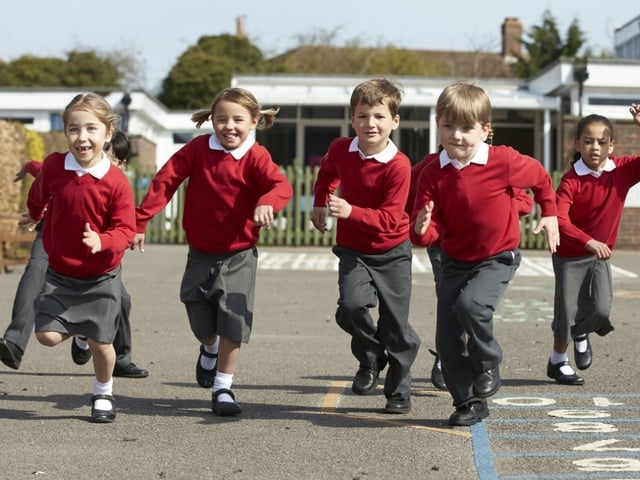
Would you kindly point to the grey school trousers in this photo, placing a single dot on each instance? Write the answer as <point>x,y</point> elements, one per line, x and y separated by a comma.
<point>383,279</point>
<point>469,294</point>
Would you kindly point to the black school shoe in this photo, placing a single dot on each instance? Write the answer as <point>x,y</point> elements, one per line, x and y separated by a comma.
<point>366,378</point>
<point>10,354</point>
<point>205,377</point>
<point>437,379</point>
<point>583,359</point>
<point>486,383</point>
<point>398,406</point>
<point>469,414</point>
<point>224,409</point>
<point>553,371</point>
<point>78,355</point>
<point>103,416</point>
<point>130,371</point>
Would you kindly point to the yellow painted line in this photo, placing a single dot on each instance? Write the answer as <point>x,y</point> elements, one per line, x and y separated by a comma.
<point>329,406</point>
<point>330,400</point>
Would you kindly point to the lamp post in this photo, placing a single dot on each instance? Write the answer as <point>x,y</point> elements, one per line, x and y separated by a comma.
<point>580,75</point>
<point>125,101</point>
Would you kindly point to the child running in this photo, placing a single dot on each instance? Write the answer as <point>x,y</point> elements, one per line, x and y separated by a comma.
<point>590,201</point>
<point>234,189</point>
<point>90,223</point>
<point>372,241</point>
<point>524,205</point>
<point>464,203</point>
<point>16,337</point>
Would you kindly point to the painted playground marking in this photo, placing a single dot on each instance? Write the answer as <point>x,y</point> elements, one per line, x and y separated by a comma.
<point>531,266</point>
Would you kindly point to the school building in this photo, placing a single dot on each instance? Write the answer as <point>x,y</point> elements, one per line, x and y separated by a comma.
<point>537,116</point>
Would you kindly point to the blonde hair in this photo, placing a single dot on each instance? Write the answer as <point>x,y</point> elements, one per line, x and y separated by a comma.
<point>377,91</point>
<point>464,103</point>
<point>94,104</point>
<point>243,98</point>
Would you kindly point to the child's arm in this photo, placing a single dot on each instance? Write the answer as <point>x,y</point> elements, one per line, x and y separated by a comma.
<point>601,250</point>
<point>550,227</point>
<point>319,218</point>
<point>423,219</point>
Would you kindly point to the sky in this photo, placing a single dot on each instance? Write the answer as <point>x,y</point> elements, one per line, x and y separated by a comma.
<point>158,32</point>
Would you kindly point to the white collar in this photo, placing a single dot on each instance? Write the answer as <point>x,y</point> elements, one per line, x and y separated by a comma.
<point>237,153</point>
<point>98,171</point>
<point>481,158</point>
<point>385,156</point>
<point>581,168</point>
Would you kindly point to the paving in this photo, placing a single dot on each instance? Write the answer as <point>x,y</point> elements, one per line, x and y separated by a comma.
<point>300,419</point>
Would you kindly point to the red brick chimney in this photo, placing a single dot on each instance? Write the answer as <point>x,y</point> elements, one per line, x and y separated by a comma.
<point>240,26</point>
<point>511,35</point>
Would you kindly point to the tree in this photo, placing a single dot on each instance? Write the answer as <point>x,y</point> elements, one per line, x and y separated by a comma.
<point>86,69</point>
<point>546,45</point>
<point>206,68</point>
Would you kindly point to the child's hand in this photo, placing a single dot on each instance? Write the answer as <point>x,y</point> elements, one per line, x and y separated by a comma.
<point>91,239</point>
<point>319,218</point>
<point>550,226</point>
<point>601,250</point>
<point>423,219</point>
<point>263,216</point>
<point>27,221</point>
<point>20,174</point>
<point>138,241</point>
<point>635,112</point>
<point>339,207</point>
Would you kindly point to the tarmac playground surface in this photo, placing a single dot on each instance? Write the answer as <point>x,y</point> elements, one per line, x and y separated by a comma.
<point>300,419</point>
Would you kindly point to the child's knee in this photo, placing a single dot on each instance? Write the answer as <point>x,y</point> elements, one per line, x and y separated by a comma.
<point>49,339</point>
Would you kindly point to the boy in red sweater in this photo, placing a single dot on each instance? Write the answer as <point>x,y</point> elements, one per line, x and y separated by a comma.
<point>524,205</point>
<point>234,189</point>
<point>372,241</point>
<point>590,201</point>
<point>464,203</point>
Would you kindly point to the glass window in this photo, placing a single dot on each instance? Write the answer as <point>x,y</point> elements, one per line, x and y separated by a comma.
<point>56,122</point>
<point>414,142</point>
<point>414,113</point>
<point>182,137</point>
<point>280,140</point>
<point>287,112</point>
<point>316,143</point>
<point>323,112</point>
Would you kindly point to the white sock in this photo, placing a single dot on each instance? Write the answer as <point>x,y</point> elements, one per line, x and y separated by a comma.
<point>102,389</point>
<point>581,343</point>
<point>557,358</point>
<point>223,380</point>
<point>81,342</point>
<point>206,362</point>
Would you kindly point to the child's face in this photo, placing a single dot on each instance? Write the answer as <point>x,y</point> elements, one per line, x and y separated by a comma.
<point>232,124</point>
<point>373,125</point>
<point>595,145</point>
<point>461,141</point>
<point>86,136</point>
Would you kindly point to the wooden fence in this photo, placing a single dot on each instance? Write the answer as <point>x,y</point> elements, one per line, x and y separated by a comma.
<point>292,226</point>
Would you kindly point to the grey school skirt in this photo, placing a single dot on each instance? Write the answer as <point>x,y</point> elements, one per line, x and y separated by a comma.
<point>218,292</point>
<point>81,306</point>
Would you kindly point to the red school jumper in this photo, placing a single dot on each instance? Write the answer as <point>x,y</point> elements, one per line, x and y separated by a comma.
<point>222,194</point>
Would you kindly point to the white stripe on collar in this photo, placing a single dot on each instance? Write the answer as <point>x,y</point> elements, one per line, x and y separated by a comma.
<point>385,156</point>
<point>98,171</point>
<point>481,158</point>
<point>581,168</point>
<point>238,153</point>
